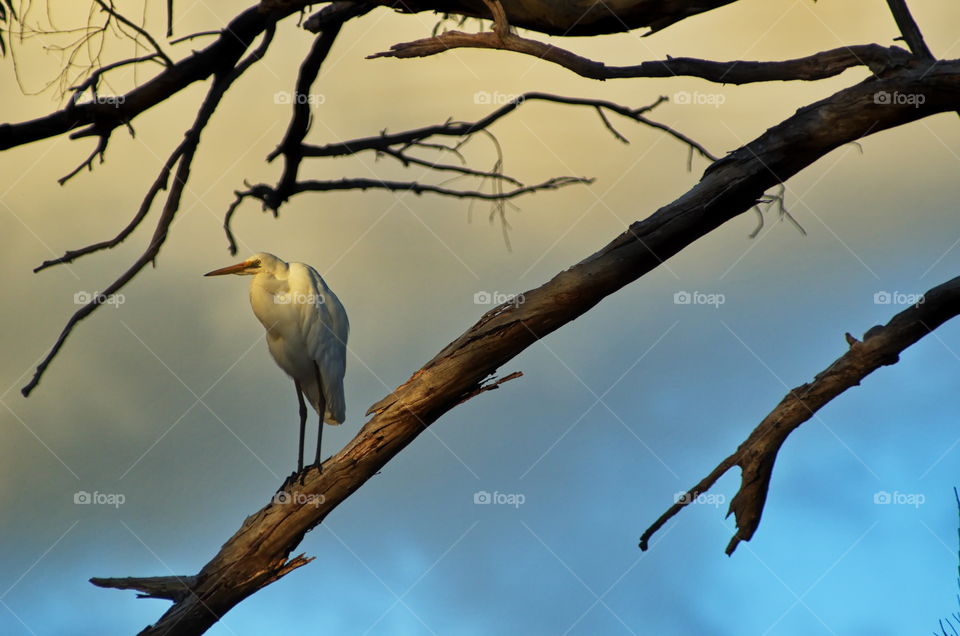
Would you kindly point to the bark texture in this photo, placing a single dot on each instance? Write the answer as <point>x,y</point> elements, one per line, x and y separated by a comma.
<point>258,553</point>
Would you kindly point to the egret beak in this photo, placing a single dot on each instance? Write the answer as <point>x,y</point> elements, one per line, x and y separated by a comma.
<point>230,269</point>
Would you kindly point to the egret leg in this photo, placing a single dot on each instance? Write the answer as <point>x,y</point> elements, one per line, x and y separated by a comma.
<point>303,425</point>
<point>323,407</point>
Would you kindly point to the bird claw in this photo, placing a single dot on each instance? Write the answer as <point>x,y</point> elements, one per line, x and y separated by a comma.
<point>286,482</point>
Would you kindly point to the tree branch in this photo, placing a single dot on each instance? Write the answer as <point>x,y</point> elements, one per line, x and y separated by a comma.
<point>95,119</point>
<point>756,456</point>
<point>407,160</point>
<point>98,151</point>
<point>396,145</point>
<point>908,27</point>
<point>292,144</point>
<point>119,17</point>
<point>570,18</point>
<point>420,188</point>
<point>813,67</point>
<point>265,193</point>
<point>182,156</point>
<point>465,129</point>
<point>172,588</point>
<point>731,186</point>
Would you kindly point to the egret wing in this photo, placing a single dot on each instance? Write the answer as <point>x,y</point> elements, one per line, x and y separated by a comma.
<point>326,328</point>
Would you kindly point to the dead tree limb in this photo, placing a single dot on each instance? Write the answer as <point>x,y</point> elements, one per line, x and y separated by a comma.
<point>812,67</point>
<point>172,588</point>
<point>257,554</point>
<point>465,129</point>
<point>97,119</point>
<point>182,157</point>
<point>119,17</point>
<point>300,119</point>
<point>881,346</point>
<point>574,18</point>
<point>398,146</point>
<point>569,18</point>
<point>265,193</point>
<point>908,27</point>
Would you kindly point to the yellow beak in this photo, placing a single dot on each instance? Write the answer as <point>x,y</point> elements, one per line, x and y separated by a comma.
<point>230,269</point>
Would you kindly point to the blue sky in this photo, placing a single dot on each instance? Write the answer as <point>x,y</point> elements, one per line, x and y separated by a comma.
<point>170,399</point>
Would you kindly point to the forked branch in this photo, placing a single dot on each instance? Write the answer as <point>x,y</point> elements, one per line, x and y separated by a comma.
<point>400,145</point>
<point>818,66</point>
<point>250,558</point>
<point>182,157</point>
<point>881,346</point>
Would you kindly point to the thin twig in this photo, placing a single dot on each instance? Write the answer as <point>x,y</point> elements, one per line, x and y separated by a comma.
<point>99,150</point>
<point>465,129</point>
<point>198,34</point>
<point>94,79</point>
<point>146,34</point>
<point>445,167</point>
<point>186,151</point>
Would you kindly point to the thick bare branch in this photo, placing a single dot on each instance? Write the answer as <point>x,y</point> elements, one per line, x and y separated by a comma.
<point>731,186</point>
<point>337,11</point>
<point>572,18</point>
<point>93,81</point>
<point>756,456</point>
<point>813,67</point>
<point>908,27</point>
<point>292,144</point>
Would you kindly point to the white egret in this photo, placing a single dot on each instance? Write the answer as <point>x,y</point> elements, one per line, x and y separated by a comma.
<point>307,331</point>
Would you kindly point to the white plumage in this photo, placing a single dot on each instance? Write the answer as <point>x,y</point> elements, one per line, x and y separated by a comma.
<point>307,331</point>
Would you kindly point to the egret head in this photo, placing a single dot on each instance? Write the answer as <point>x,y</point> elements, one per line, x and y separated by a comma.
<point>260,263</point>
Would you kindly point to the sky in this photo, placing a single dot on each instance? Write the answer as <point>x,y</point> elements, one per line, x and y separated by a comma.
<point>166,404</point>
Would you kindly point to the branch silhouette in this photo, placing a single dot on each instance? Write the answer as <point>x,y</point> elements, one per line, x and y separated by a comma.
<point>881,346</point>
<point>257,554</point>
